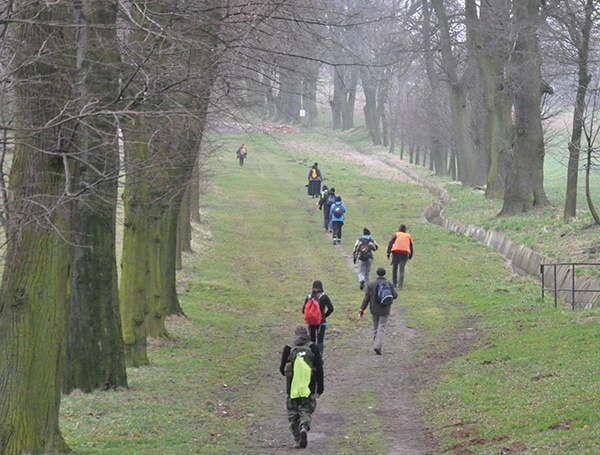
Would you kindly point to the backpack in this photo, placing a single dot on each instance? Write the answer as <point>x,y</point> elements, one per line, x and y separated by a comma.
<point>314,174</point>
<point>330,199</point>
<point>312,312</point>
<point>338,211</point>
<point>385,294</point>
<point>364,250</point>
<point>299,369</point>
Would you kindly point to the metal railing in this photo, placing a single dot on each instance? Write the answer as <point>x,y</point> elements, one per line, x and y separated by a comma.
<point>565,284</point>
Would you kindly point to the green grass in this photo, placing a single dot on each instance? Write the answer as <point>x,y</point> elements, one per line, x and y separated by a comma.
<point>501,368</point>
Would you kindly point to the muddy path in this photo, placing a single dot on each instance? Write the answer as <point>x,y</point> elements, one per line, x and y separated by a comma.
<point>393,377</point>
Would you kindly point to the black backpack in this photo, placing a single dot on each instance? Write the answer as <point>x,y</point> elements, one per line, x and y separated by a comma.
<point>330,199</point>
<point>385,294</point>
<point>364,250</point>
<point>338,211</point>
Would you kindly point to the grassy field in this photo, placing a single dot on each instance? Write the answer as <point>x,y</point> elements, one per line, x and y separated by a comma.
<point>506,372</point>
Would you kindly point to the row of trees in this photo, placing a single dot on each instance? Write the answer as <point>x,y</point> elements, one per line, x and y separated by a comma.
<point>465,84</point>
<point>103,96</point>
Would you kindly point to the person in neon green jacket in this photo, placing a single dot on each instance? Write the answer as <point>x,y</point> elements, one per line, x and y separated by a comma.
<point>302,365</point>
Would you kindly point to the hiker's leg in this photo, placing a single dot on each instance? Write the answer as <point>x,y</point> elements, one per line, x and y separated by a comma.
<point>294,414</point>
<point>321,337</point>
<point>367,275</point>
<point>340,230</point>
<point>380,331</point>
<point>395,260</point>
<point>401,266</point>
<point>314,329</point>
<point>306,408</point>
<point>362,271</point>
<point>375,326</point>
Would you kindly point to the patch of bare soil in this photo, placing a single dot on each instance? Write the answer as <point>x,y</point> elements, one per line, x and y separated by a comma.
<point>395,377</point>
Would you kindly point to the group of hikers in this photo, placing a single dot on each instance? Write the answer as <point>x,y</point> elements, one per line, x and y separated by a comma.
<point>302,359</point>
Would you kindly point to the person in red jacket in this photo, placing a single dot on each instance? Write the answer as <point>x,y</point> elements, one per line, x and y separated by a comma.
<point>401,249</point>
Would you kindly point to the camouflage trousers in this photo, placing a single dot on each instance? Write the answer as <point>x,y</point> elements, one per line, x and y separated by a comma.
<point>300,412</point>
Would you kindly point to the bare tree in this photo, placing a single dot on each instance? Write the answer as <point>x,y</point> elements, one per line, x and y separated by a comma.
<point>33,296</point>
<point>525,180</point>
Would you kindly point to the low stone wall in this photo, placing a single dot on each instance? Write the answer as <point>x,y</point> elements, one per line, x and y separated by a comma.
<point>522,259</point>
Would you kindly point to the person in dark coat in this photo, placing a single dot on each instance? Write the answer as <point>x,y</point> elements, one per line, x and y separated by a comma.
<point>301,408</point>
<point>379,313</point>
<point>314,181</point>
<point>317,332</point>
<point>325,203</point>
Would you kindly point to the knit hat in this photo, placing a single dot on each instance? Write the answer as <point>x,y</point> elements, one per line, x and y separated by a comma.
<point>315,165</point>
<point>402,228</point>
<point>317,285</point>
<point>338,199</point>
<point>300,329</point>
<point>380,271</point>
<point>324,187</point>
<point>366,231</point>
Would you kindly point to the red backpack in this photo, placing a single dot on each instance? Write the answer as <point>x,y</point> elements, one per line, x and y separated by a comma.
<point>312,312</point>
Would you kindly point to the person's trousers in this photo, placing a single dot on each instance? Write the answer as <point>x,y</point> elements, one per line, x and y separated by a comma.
<point>326,220</point>
<point>300,411</point>
<point>398,264</point>
<point>364,270</point>
<point>379,323</point>
<point>317,335</point>
<point>336,227</point>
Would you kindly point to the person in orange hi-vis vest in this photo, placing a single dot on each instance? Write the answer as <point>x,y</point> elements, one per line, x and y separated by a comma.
<point>401,249</point>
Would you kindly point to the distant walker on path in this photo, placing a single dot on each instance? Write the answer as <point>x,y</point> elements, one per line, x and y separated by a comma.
<point>379,307</point>
<point>314,181</point>
<point>363,256</point>
<point>401,249</point>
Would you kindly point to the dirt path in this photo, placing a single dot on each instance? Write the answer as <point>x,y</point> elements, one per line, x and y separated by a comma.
<point>396,380</point>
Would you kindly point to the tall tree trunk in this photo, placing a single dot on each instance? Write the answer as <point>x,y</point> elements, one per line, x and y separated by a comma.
<point>525,180</point>
<point>35,280</point>
<point>489,32</point>
<point>95,357</point>
<point>369,83</point>
<point>133,287</point>
<point>309,94</point>
<point>582,42</point>
<point>466,157</point>
<point>438,154</point>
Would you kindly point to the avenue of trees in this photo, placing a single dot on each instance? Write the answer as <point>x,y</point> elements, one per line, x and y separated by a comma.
<point>105,105</point>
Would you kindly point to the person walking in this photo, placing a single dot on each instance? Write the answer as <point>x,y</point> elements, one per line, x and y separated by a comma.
<point>241,154</point>
<point>317,331</point>
<point>401,249</point>
<point>314,180</point>
<point>302,366</point>
<point>336,214</point>
<point>379,295</point>
<point>363,253</point>
<point>327,200</point>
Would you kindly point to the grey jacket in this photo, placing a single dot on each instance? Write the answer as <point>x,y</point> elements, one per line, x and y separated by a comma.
<point>371,298</point>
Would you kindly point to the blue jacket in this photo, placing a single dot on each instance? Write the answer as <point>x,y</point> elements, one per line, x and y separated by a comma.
<point>337,218</point>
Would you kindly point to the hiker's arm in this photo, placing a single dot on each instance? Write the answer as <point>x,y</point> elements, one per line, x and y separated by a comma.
<point>328,305</point>
<point>390,245</point>
<point>284,356</point>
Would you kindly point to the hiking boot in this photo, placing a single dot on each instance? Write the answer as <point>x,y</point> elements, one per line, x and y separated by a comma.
<point>303,438</point>
<point>362,285</point>
<point>377,351</point>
